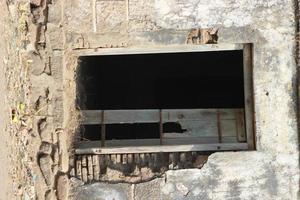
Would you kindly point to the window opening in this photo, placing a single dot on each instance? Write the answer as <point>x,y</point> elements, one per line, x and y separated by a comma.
<point>164,99</point>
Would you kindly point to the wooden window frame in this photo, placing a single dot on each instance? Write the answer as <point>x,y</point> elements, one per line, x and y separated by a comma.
<point>103,117</point>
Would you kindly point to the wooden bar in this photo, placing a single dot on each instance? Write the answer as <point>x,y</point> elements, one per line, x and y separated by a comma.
<point>124,159</point>
<point>102,164</point>
<point>219,127</point>
<point>159,49</point>
<point>96,167</point>
<point>93,117</point>
<point>102,130</point>
<point>164,148</point>
<point>129,158</point>
<point>90,175</point>
<point>84,171</point>
<point>118,158</point>
<point>240,127</point>
<point>78,167</point>
<point>249,99</point>
<point>161,131</point>
<point>131,116</point>
<point>153,142</point>
<point>142,159</point>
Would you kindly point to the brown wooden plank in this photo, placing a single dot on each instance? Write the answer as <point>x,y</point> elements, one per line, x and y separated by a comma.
<point>96,167</point>
<point>91,117</point>
<point>161,129</point>
<point>78,167</point>
<point>204,127</point>
<point>195,128</point>
<point>219,126</point>
<point>174,115</point>
<point>171,161</point>
<point>131,116</point>
<point>83,161</point>
<point>152,116</point>
<point>142,159</point>
<point>118,158</point>
<point>182,157</point>
<point>90,168</point>
<point>147,158</point>
<point>124,159</point>
<point>161,49</point>
<point>84,170</point>
<point>164,148</point>
<point>103,130</point>
<point>228,128</point>
<point>153,142</point>
<point>249,99</point>
<point>137,159</point>
<point>102,164</point>
<point>84,174</point>
<point>113,158</point>
<point>240,126</point>
<point>129,158</point>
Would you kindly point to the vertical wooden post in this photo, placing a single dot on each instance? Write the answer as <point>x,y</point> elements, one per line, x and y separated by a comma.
<point>249,99</point>
<point>102,129</point>
<point>240,126</point>
<point>219,126</point>
<point>161,127</point>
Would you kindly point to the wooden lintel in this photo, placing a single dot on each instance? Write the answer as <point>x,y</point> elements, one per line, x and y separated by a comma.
<point>159,49</point>
<point>164,148</point>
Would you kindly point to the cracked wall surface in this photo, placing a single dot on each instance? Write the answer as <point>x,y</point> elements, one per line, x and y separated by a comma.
<point>270,26</point>
<point>51,35</point>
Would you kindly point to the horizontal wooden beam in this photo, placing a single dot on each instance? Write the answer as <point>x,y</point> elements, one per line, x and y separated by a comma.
<point>159,49</point>
<point>93,117</point>
<point>164,148</point>
<point>153,142</point>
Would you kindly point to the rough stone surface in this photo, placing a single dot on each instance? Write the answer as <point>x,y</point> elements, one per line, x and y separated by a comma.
<point>149,190</point>
<point>46,148</point>
<point>55,12</point>
<point>40,58</point>
<point>78,16</point>
<point>62,187</point>
<point>45,163</point>
<point>270,26</point>
<point>102,191</point>
<point>220,179</point>
<point>111,16</point>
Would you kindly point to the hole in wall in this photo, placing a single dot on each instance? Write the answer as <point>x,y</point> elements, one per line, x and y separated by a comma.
<point>155,81</point>
<point>158,81</point>
<point>161,81</point>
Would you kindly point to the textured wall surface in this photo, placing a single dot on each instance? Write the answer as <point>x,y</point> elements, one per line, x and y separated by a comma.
<point>271,172</point>
<point>54,33</point>
<point>5,190</point>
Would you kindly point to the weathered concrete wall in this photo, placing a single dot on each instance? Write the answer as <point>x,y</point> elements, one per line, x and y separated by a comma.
<point>54,33</point>
<point>271,172</point>
<point>5,164</point>
<point>33,95</point>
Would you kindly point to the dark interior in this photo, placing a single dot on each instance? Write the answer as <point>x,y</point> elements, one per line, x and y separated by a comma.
<point>158,81</point>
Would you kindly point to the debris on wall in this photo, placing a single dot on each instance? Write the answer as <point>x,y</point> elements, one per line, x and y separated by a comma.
<point>134,168</point>
<point>202,36</point>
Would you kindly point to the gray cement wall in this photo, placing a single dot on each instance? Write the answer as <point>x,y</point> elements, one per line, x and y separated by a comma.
<point>271,172</point>
<point>56,33</point>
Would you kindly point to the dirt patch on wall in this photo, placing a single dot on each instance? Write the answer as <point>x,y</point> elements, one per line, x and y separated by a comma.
<point>133,168</point>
